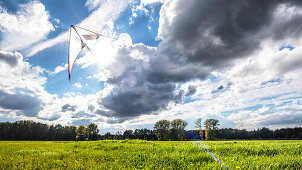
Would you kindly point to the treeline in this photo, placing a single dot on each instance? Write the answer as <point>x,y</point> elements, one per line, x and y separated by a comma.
<point>262,133</point>
<point>163,130</point>
<point>175,130</point>
<point>30,130</point>
<point>143,134</point>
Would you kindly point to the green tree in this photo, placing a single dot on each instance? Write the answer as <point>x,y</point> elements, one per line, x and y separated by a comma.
<point>92,130</point>
<point>162,129</point>
<point>128,134</point>
<point>211,128</point>
<point>81,132</point>
<point>199,125</point>
<point>178,129</point>
<point>108,135</point>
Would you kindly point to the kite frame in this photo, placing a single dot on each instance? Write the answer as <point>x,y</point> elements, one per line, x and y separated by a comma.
<point>85,45</point>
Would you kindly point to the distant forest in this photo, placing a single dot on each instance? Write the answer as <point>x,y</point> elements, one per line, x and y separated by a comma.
<point>163,130</point>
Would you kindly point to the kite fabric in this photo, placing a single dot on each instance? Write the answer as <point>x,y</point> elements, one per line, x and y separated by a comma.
<point>77,41</point>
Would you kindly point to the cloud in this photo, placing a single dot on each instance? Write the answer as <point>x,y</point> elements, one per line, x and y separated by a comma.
<point>10,58</point>
<point>91,107</point>
<point>82,122</point>
<point>195,43</point>
<point>59,69</point>
<point>29,25</point>
<point>49,116</point>
<point>68,107</point>
<point>82,114</point>
<point>220,87</point>
<point>191,90</point>
<point>22,91</point>
<point>16,73</point>
<point>289,115</point>
<point>93,4</point>
<point>147,2</point>
<point>143,100</point>
<point>28,105</point>
<point>130,94</point>
<point>78,85</point>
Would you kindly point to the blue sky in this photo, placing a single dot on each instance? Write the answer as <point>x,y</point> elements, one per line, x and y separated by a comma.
<point>162,60</point>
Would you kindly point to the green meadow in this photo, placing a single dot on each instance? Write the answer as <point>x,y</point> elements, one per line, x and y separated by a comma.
<point>140,154</point>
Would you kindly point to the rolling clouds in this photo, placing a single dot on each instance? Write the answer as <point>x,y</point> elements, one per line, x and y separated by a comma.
<point>197,38</point>
<point>214,57</point>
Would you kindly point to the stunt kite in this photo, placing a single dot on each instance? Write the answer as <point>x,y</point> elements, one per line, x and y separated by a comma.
<point>77,41</point>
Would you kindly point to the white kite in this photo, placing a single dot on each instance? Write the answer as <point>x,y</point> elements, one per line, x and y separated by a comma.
<point>77,41</point>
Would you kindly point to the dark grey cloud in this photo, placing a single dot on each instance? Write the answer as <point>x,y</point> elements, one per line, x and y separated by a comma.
<point>178,98</point>
<point>295,118</point>
<point>50,117</point>
<point>68,107</point>
<point>10,58</point>
<point>164,68</point>
<point>114,120</point>
<point>220,87</point>
<point>210,34</point>
<point>91,108</point>
<point>191,90</point>
<point>132,102</point>
<point>25,103</point>
<point>133,95</point>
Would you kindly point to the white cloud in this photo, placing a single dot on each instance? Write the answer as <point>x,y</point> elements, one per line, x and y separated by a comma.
<point>147,2</point>
<point>93,4</point>
<point>29,25</point>
<point>23,95</point>
<point>22,91</point>
<point>78,85</point>
<point>59,69</point>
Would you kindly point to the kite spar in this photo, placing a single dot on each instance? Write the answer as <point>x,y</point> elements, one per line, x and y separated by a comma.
<point>77,41</point>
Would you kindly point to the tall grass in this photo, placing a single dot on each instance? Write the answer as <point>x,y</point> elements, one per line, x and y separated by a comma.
<point>139,154</point>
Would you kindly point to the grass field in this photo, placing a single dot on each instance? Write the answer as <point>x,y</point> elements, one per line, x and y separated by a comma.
<point>136,154</point>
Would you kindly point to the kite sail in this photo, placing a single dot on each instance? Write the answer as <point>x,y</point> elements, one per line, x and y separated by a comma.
<point>77,41</point>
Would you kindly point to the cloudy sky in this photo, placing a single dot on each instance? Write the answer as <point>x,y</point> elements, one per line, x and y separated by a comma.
<point>239,61</point>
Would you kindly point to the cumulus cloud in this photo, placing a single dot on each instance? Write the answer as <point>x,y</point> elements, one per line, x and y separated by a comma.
<point>22,91</point>
<point>59,69</point>
<point>289,115</point>
<point>191,90</point>
<point>191,37</point>
<point>28,105</point>
<point>131,94</point>
<point>68,107</point>
<point>49,116</point>
<point>29,25</point>
<point>10,57</point>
